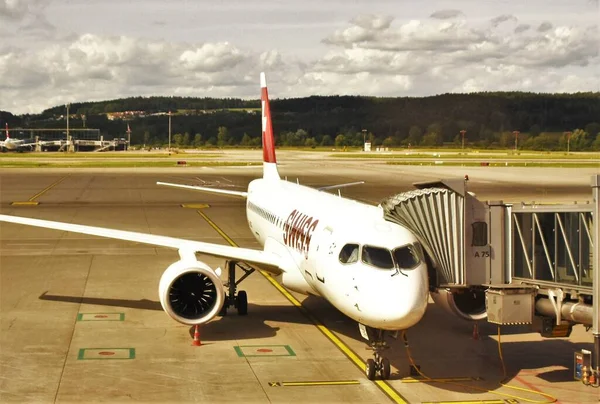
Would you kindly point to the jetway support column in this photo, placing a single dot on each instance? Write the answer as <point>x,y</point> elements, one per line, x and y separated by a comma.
<point>596,280</point>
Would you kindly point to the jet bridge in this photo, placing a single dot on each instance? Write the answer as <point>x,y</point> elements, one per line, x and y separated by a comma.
<point>452,226</point>
<point>510,263</point>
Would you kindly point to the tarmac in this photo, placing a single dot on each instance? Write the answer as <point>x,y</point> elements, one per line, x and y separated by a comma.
<point>80,319</point>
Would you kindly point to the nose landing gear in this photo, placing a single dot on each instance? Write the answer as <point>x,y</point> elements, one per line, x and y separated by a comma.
<point>379,364</point>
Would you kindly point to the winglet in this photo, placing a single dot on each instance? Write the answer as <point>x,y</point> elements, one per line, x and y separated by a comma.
<point>268,139</point>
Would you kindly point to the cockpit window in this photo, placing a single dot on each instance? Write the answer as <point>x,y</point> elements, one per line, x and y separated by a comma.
<point>408,256</point>
<point>378,257</point>
<point>349,254</point>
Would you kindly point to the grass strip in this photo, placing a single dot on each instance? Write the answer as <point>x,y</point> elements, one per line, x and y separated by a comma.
<point>481,157</point>
<point>574,164</point>
<point>100,156</point>
<point>121,164</point>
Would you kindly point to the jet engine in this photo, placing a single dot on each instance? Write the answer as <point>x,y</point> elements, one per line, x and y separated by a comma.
<point>468,304</point>
<point>191,292</point>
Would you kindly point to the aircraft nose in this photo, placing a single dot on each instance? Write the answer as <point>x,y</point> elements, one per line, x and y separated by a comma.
<point>401,300</point>
<point>412,309</point>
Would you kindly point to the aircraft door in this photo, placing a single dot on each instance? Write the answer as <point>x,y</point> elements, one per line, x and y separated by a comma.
<point>336,273</point>
<point>327,248</point>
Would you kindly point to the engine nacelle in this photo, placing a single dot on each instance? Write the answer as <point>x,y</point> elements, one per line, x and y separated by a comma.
<point>191,292</point>
<point>468,304</point>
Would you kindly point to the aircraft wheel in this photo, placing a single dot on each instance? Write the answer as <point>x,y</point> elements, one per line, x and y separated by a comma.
<point>385,369</point>
<point>370,369</point>
<point>242,303</point>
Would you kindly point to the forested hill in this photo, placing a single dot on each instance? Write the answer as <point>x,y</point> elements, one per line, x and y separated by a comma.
<point>488,118</point>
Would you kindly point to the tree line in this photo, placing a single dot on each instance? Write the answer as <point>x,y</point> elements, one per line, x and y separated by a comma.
<point>490,120</point>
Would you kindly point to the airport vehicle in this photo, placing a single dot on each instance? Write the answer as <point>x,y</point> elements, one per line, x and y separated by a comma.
<point>320,243</point>
<point>10,144</point>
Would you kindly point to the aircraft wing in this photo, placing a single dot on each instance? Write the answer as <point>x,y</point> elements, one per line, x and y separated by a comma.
<point>206,189</point>
<point>25,146</point>
<point>265,260</point>
<point>337,186</point>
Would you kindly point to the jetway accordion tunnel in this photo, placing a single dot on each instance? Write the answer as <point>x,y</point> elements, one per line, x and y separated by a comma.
<point>512,264</point>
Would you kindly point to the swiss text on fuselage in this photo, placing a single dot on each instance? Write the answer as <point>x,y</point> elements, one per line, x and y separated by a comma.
<point>298,230</point>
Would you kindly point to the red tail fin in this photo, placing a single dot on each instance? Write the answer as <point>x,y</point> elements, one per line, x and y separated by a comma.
<point>268,139</point>
<point>7,134</point>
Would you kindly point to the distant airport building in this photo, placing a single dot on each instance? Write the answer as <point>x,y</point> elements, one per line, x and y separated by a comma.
<point>55,133</point>
<point>83,139</point>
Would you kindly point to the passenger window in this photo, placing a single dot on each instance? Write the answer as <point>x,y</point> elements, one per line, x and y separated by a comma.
<point>407,257</point>
<point>349,254</point>
<point>378,257</point>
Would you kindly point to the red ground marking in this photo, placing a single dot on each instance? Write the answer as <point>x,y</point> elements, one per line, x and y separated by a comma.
<point>264,350</point>
<point>100,316</point>
<point>531,386</point>
<point>106,353</point>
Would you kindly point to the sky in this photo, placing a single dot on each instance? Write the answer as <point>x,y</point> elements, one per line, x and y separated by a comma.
<point>54,52</point>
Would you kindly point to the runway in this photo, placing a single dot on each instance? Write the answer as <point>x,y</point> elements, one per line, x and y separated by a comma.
<point>81,321</point>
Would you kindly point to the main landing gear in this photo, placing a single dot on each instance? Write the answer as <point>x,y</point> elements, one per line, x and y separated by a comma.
<point>379,364</point>
<point>238,300</point>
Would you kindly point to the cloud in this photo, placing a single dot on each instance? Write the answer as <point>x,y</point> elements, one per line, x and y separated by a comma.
<point>370,54</point>
<point>211,57</point>
<point>446,14</point>
<point>271,59</point>
<point>451,43</point>
<point>13,9</point>
<point>25,19</point>
<point>413,35</point>
<point>424,57</point>
<point>364,28</point>
<point>502,18</point>
<point>373,22</point>
<point>545,26</point>
<point>98,67</point>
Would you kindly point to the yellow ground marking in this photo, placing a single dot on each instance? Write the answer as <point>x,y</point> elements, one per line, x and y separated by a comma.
<point>442,380</point>
<point>25,203</point>
<point>382,384</point>
<point>467,402</point>
<point>314,383</point>
<point>31,201</point>
<point>195,205</point>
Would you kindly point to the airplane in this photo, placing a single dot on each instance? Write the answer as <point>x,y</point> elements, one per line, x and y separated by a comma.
<point>322,244</point>
<point>10,144</point>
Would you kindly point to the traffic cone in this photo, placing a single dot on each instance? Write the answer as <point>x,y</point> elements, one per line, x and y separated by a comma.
<point>196,336</point>
<point>475,331</point>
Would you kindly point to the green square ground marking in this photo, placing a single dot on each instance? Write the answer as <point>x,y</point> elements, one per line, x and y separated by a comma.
<point>101,317</point>
<point>106,353</point>
<point>263,350</point>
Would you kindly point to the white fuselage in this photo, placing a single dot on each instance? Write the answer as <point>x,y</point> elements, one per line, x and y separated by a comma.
<point>11,144</point>
<point>309,228</point>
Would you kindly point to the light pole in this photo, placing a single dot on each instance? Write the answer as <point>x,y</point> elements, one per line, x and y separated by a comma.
<point>68,136</point>
<point>364,132</point>
<point>128,137</point>
<point>568,142</point>
<point>516,133</point>
<point>462,133</point>
<point>169,132</point>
